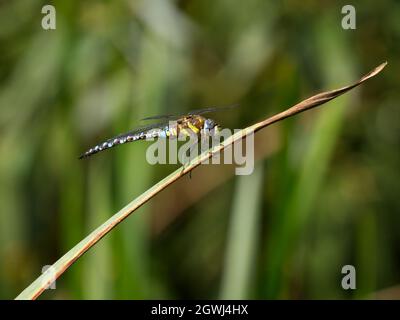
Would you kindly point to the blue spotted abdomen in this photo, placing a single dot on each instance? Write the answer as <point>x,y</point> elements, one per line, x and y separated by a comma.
<point>124,138</point>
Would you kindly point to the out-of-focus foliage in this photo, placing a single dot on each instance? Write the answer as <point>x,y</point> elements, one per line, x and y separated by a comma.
<point>325,190</point>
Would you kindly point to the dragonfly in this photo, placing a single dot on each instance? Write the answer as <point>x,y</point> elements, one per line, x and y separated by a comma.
<point>190,124</point>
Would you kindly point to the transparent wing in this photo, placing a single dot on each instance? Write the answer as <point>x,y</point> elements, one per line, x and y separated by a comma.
<point>193,112</point>
<point>212,109</point>
<point>141,129</point>
<point>163,116</point>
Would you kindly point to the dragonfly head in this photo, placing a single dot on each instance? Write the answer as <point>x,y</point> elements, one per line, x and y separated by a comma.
<point>211,127</point>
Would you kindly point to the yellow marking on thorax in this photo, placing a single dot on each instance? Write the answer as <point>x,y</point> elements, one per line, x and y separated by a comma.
<point>193,128</point>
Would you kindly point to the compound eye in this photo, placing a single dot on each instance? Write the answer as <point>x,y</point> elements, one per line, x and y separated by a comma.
<point>209,124</point>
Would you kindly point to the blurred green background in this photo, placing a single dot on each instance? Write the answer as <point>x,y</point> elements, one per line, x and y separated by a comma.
<point>325,191</point>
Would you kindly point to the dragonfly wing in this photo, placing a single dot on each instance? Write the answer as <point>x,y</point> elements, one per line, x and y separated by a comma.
<point>212,109</point>
<point>142,129</point>
<point>164,116</point>
<point>190,113</point>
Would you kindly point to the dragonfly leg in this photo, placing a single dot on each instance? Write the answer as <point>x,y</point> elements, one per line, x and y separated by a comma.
<point>194,145</point>
<point>190,159</point>
<point>210,153</point>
